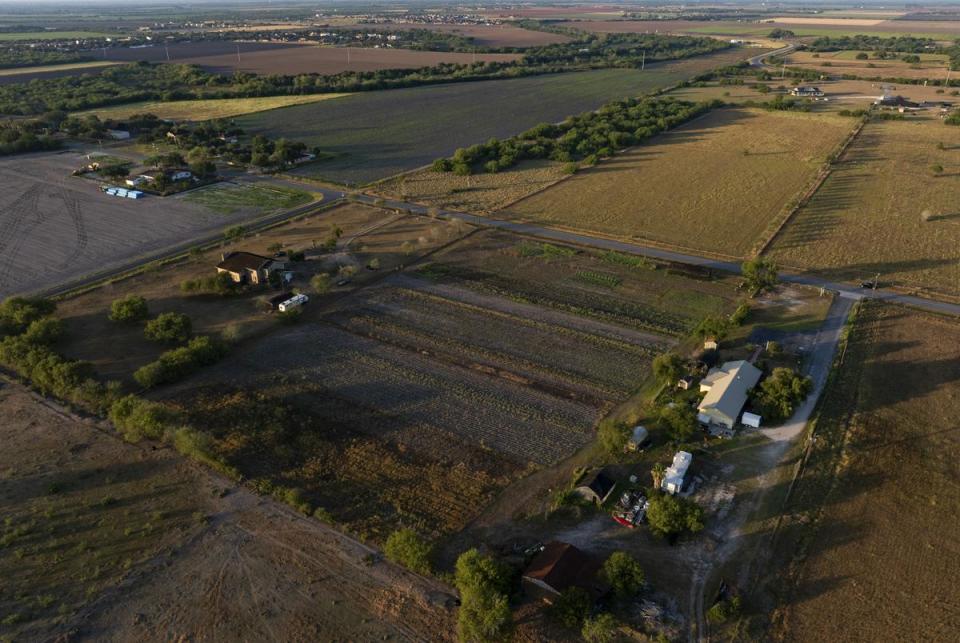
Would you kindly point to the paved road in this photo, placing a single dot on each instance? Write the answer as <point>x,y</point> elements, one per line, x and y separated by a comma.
<point>757,61</point>
<point>843,290</point>
<point>329,196</point>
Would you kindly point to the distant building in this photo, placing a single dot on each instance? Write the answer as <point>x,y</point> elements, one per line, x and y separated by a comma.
<point>244,267</point>
<point>897,101</point>
<point>118,134</point>
<point>596,488</point>
<point>806,91</point>
<point>675,474</point>
<point>726,391</point>
<point>181,175</point>
<point>559,567</point>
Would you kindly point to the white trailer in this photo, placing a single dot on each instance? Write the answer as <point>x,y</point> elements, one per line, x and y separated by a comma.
<point>293,303</point>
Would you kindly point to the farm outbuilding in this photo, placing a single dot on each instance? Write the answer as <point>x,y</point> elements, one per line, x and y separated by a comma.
<point>751,419</point>
<point>596,488</point>
<point>639,437</point>
<point>559,567</point>
<point>244,267</point>
<point>806,91</point>
<point>726,391</point>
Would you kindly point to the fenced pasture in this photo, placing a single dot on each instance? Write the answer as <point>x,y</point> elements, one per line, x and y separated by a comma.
<point>864,539</point>
<point>844,62</point>
<point>714,184</point>
<point>868,217</point>
<point>379,134</point>
<point>56,228</point>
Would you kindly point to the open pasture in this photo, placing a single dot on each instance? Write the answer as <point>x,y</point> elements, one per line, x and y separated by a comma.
<point>503,35</point>
<point>9,36</point>
<point>203,110</point>
<point>379,134</point>
<point>56,228</point>
<point>844,62</point>
<point>868,217</point>
<point>865,527</point>
<point>714,184</point>
<point>937,30</point>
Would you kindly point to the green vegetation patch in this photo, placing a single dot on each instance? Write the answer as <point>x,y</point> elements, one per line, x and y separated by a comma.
<point>234,198</point>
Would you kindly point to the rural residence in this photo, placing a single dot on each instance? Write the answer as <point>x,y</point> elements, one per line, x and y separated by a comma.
<point>597,488</point>
<point>806,92</point>
<point>557,568</point>
<point>726,391</point>
<point>675,474</point>
<point>244,267</point>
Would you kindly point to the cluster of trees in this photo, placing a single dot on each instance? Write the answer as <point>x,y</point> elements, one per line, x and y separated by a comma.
<point>669,516</point>
<point>153,81</point>
<point>17,137</point>
<point>169,328</point>
<point>588,136</point>
<point>218,284</point>
<point>892,47</point>
<point>484,585</point>
<point>175,364</point>
<point>780,393</point>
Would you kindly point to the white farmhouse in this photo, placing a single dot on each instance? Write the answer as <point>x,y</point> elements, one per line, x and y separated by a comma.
<point>726,391</point>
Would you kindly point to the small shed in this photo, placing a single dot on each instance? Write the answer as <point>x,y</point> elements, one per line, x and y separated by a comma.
<point>685,382</point>
<point>596,488</point>
<point>751,419</point>
<point>711,345</point>
<point>638,438</point>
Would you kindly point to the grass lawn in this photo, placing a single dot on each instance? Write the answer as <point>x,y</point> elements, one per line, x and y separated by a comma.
<point>378,134</point>
<point>866,218</point>
<point>52,35</point>
<point>863,553</point>
<point>202,110</point>
<point>712,185</point>
<point>230,198</point>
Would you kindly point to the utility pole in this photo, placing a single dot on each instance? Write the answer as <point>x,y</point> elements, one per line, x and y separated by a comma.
<point>643,60</point>
<point>167,50</point>
<point>238,54</point>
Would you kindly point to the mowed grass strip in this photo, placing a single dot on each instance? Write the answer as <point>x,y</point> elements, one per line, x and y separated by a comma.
<point>378,134</point>
<point>712,185</point>
<point>868,217</point>
<point>879,562</point>
<point>203,110</point>
<point>228,199</point>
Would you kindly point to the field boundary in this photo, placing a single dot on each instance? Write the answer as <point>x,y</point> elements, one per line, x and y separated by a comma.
<point>825,171</point>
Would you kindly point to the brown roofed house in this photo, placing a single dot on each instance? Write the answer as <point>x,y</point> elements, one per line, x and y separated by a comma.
<point>244,267</point>
<point>559,567</point>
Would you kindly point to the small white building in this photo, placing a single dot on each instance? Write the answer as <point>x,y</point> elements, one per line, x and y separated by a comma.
<point>751,419</point>
<point>676,472</point>
<point>293,303</point>
<point>137,181</point>
<point>638,438</point>
<point>181,175</point>
<point>806,92</point>
<point>118,134</point>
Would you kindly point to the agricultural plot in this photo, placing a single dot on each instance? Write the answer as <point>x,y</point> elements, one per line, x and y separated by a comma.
<point>230,199</point>
<point>883,29</point>
<point>863,542</point>
<point>56,228</point>
<point>844,62</point>
<point>503,35</point>
<point>204,110</point>
<point>52,35</point>
<point>379,134</point>
<point>713,185</point>
<point>868,217</point>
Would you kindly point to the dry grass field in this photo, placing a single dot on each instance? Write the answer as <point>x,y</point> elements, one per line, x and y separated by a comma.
<point>867,217</point>
<point>713,184</point>
<point>503,35</point>
<point>76,229</point>
<point>868,542</point>
<point>943,31</point>
<point>844,62</point>
<point>104,540</point>
<point>203,110</point>
<point>474,193</point>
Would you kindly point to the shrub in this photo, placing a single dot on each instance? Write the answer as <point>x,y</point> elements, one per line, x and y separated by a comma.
<point>218,284</point>
<point>178,363</point>
<point>670,516</point>
<point>601,629</point>
<point>712,327</point>
<point>613,436</point>
<point>760,274</point>
<point>623,573</point>
<point>667,367</point>
<point>484,586</point>
<point>137,418</point>
<point>679,421</point>
<point>405,547</point>
<point>16,313</point>
<point>572,607</point>
<point>46,331</point>
<point>721,611</point>
<point>168,327</point>
<point>740,314</point>
<point>132,308</point>
<point>320,283</point>
<point>780,393</point>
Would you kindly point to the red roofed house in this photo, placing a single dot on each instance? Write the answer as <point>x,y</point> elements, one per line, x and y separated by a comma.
<point>559,567</point>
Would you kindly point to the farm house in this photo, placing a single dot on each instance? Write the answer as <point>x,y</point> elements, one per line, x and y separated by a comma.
<point>597,488</point>
<point>806,92</point>
<point>559,567</point>
<point>244,267</point>
<point>726,391</point>
<point>674,476</point>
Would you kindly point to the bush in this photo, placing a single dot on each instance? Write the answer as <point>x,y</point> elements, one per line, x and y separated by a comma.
<point>712,327</point>
<point>760,274</point>
<point>572,607</point>
<point>780,393</point>
<point>320,283</point>
<point>137,418</point>
<point>178,363</point>
<point>679,420</point>
<point>740,314</point>
<point>722,611</point>
<point>405,547</point>
<point>623,573</point>
<point>168,327</point>
<point>16,313</point>
<point>484,586</point>
<point>45,331</point>
<point>129,309</point>
<point>601,629</point>
<point>613,436</point>
<point>667,367</point>
<point>670,516</point>
<point>218,284</point>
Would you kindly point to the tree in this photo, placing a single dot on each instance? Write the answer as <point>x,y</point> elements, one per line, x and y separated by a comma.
<point>572,607</point>
<point>667,367</point>
<point>862,56</point>
<point>658,473</point>
<point>484,586</point>
<point>679,420</point>
<point>670,516</point>
<point>623,573</point>
<point>712,327</point>
<point>613,436</point>
<point>132,308</point>
<point>17,313</point>
<point>320,282</point>
<point>168,327</point>
<point>936,168</point>
<point>780,393</point>
<point>407,548</point>
<point>601,629</point>
<point>760,274</point>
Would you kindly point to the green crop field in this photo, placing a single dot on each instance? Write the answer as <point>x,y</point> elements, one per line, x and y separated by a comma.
<point>714,184</point>
<point>868,217</point>
<point>228,199</point>
<point>202,110</point>
<point>378,134</point>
